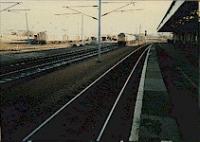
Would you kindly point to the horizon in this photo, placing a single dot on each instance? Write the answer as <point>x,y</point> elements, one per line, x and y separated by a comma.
<point>41,17</point>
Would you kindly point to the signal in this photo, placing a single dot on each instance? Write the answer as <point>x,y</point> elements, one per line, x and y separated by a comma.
<point>145,33</point>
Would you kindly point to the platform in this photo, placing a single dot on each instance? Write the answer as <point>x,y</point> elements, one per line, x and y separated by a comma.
<point>155,123</point>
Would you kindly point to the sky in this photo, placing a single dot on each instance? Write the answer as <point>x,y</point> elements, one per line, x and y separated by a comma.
<point>41,17</point>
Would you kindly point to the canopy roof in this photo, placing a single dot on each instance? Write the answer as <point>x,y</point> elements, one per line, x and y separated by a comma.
<point>182,16</point>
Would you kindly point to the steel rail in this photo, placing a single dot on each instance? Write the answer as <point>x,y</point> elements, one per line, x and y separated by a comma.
<point>77,96</point>
<point>119,96</point>
<point>71,53</point>
<point>47,66</point>
<point>134,134</point>
<point>59,55</point>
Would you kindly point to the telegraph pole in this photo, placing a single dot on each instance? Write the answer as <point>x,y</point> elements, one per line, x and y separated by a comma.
<point>0,24</point>
<point>82,28</point>
<point>27,27</point>
<point>139,35</point>
<point>99,32</point>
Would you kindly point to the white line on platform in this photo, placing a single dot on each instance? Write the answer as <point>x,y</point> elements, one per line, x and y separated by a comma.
<point>118,97</point>
<point>134,136</point>
<point>74,98</point>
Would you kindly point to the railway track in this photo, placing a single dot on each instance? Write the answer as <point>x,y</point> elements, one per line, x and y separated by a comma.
<point>39,60</point>
<point>28,62</point>
<point>103,111</point>
<point>47,63</point>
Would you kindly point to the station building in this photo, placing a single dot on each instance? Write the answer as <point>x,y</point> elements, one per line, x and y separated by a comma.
<point>182,20</point>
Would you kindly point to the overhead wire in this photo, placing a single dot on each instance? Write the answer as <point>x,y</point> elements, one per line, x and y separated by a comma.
<point>117,9</point>
<point>13,5</point>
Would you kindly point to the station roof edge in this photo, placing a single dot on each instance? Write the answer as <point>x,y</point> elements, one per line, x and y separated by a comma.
<point>170,12</point>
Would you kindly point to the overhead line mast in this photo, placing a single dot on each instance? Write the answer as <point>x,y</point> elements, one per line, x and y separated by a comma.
<point>26,18</point>
<point>99,32</point>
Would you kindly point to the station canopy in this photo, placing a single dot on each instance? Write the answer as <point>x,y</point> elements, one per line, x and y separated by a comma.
<point>182,16</point>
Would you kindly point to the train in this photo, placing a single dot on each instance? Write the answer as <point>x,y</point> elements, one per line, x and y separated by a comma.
<point>39,38</point>
<point>126,39</point>
<point>121,40</point>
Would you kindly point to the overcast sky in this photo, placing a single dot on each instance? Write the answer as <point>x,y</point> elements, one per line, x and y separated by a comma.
<point>41,17</point>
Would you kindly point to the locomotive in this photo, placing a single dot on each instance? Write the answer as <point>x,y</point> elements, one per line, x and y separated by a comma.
<point>126,39</point>
<point>121,39</point>
<point>39,38</point>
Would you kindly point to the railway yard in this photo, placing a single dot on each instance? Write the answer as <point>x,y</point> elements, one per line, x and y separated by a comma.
<point>34,65</point>
<point>128,88</point>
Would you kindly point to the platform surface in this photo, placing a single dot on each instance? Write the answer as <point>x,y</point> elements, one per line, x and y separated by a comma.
<point>155,123</point>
